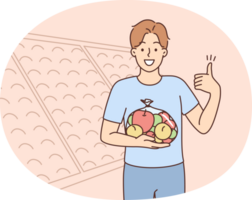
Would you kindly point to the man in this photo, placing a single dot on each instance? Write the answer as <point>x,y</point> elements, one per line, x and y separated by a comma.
<point>156,169</point>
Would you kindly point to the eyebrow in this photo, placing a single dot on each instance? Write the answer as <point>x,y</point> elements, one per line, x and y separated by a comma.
<point>153,42</point>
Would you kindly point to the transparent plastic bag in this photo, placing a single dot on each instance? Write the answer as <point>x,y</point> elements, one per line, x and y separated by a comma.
<point>153,122</point>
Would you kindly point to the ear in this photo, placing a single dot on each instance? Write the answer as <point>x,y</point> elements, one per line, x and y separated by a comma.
<point>133,52</point>
<point>165,52</point>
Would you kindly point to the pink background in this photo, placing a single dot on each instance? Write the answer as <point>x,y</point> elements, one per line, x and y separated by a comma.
<point>207,157</point>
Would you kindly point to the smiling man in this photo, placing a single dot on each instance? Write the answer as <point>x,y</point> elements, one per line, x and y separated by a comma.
<point>156,169</point>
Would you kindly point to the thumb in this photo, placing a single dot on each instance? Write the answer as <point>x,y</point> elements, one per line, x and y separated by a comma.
<point>209,69</point>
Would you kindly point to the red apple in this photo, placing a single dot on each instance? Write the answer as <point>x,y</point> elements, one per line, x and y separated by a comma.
<point>166,119</point>
<point>151,134</point>
<point>168,140</point>
<point>144,119</point>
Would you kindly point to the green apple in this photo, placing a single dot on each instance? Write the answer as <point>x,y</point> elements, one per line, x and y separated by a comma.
<point>173,134</point>
<point>130,120</point>
<point>152,129</point>
<point>157,119</point>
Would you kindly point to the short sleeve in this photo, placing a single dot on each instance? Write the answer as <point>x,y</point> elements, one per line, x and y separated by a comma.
<point>115,107</point>
<point>188,99</point>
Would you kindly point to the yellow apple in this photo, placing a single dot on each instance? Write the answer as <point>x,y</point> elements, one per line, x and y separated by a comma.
<point>134,130</point>
<point>158,140</point>
<point>162,131</point>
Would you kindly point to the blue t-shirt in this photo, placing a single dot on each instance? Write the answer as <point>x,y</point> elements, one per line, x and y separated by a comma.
<point>170,94</point>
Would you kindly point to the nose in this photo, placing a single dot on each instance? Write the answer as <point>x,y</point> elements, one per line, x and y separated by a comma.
<point>148,53</point>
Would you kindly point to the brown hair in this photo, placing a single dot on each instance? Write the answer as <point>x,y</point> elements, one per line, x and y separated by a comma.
<point>148,26</point>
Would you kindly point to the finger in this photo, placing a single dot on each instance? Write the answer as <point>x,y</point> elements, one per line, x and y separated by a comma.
<point>148,138</point>
<point>161,145</point>
<point>199,86</point>
<point>198,80</point>
<point>209,69</point>
<point>199,75</point>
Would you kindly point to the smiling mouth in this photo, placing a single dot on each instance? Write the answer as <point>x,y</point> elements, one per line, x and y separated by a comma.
<point>149,62</point>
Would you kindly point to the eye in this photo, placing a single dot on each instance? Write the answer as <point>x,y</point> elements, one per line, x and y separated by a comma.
<point>155,49</point>
<point>142,49</point>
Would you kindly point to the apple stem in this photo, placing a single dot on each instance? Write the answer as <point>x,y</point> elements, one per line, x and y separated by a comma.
<point>144,113</point>
<point>163,128</point>
<point>165,121</point>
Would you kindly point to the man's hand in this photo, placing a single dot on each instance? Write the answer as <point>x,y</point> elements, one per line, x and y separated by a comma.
<point>202,119</point>
<point>148,142</point>
<point>206,82</point>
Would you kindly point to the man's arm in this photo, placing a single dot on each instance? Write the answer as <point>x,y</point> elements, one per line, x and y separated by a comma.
<point>110,135</point>
<point>201,119</point>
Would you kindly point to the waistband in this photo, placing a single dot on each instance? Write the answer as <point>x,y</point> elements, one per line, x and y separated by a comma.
<point>182,163</point>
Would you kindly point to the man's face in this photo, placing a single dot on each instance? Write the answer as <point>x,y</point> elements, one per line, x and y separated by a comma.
<point>149,54</point>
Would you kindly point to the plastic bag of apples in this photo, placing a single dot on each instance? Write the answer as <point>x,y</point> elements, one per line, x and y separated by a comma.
<point>153,122</point>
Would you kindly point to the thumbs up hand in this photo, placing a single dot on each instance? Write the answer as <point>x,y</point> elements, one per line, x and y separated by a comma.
<point>206,82</point>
